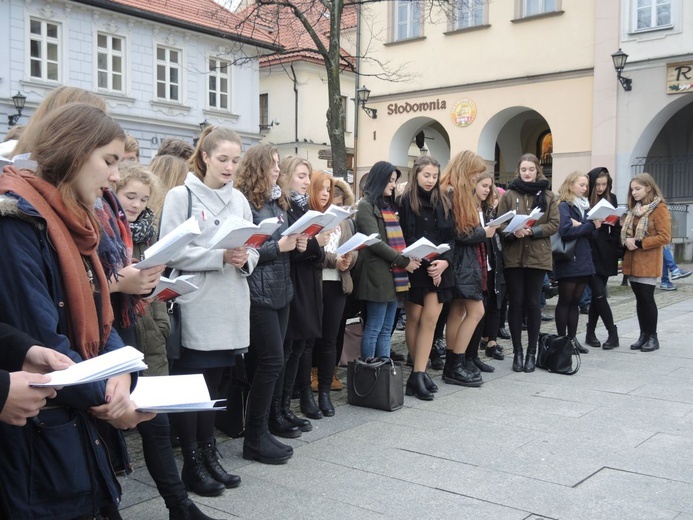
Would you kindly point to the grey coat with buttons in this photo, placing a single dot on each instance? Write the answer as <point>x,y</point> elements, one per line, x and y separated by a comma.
<point>216,316</point>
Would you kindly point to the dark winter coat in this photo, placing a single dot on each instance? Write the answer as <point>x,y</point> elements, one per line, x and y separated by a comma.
<point>305,317</point>
<point>532,251</point>
<point>494,252</point>
<point>581,263</point>
<point>50,457</point>
<point>270,283</point>
<point>605,241</point>
<point>467,269</point>
<point>372,275</point>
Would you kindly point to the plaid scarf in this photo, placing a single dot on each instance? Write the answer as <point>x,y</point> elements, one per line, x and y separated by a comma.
<point>115,252</point>
<point>395,239</point>
<point>143,229</point>
<point>641,212</point>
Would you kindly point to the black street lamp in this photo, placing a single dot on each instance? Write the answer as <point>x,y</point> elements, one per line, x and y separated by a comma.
<point>204,124</point>
<point>19,100</point>
<point>620,58</point>
<point>364,94</point>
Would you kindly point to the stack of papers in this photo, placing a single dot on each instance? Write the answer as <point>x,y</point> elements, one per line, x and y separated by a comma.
<point>171,394</point>
<point>356,242</point>
<point>122,361</point>
<point>425,249</point>
<point>167,246</point>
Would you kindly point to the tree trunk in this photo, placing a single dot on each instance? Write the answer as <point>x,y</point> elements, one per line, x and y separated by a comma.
<point>335,112</point>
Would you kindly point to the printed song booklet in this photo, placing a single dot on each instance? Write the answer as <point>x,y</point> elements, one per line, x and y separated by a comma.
<point>168,289</point>
<point>167,246</point>
<point>524,221</point>
<point>236,232</point>
<point>503,218</point>
<point>174,394</point>
<point>603,210</point>
<point>425,249</point>
<point>313,222</point>
<point>356,242</point>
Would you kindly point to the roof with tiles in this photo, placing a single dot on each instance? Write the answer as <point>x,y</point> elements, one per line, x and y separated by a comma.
<point>206,15</point>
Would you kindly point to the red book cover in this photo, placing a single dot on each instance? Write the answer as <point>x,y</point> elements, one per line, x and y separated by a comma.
<point>612,219</point>
<point>312,230</point>
<point>166,295</point>
<point>530,223</point>
<point>256,240</point>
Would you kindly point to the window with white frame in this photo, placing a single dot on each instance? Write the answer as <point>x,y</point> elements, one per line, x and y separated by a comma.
<point>408,16</point>
<point>470,13</point>
<point>219,83</point>
<point>652,14</point>
<point>536,7</point>
<point>168,74</point>
<point>44,50</point>
<point>110,62</point>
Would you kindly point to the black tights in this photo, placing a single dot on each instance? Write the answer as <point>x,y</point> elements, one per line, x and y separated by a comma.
<point>568,309</point>
<point>524,291</point>
<point>599,308</point>
<point>646,307</point>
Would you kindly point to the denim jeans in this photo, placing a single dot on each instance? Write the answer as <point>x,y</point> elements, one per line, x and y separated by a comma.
<point>380,317</point>
<point>669,264</point>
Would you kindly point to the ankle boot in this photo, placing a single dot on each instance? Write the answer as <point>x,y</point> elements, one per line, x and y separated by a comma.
<point>210,457</point>
<point>518,362</point>
<point>278,424</point>
<point>471,366</point>
<point>430,385</point>
<point>416,386</point>
<point>530,360</point>
<point>579,347</point>
<point>640,341</point>
<point>324,402</point>
<point>284,447</point>
<point>590,337</point>
<point>195,476</point>
<point>303,424</point>
<point>336,385</point>
<point>612,340</point>
<point>308,406</point>
<point>314,379</point>
<point>260,446</point>
<point>456,374</point>
<point>651,344</point>
<point>483,366</point>
<point>187,511</point>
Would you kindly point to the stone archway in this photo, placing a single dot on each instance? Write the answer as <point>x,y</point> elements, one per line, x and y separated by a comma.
<point>437,141</point>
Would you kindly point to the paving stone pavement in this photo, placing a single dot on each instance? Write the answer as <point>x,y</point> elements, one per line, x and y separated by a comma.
<point>613,442</point>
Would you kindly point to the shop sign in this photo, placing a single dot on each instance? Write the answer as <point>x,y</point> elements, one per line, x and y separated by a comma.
<point>680,77</point>
<point>463,112</point>
<point>406,108</point>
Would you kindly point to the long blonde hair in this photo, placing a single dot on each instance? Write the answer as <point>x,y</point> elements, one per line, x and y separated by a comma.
<point>457,183</point>
<point>565,192</point>
<point>171,171</point>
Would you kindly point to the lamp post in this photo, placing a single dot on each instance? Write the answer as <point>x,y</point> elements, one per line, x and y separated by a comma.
<point>19,100</point>
<point>204,124</point>
<point>620,58</point>
<point>363,95</point>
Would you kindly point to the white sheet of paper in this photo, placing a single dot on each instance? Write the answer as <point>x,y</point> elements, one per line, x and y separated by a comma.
<point>186,393</point>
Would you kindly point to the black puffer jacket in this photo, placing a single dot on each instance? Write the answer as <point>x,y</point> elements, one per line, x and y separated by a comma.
<point>468,278</point>
<point>605,241</point>
<point>270,283</point>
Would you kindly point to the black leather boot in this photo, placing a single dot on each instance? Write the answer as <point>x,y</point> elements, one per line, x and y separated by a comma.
<point>210,457</point>
<point>324,401</point>
<point>612,340</point>
<point>278,424</point>
<point>430,385</point>
<point>303,424</point>
<point>471,366</point>
<point>518,362</point>
<point>260,447</point>
<point>530,360</point>
<point>591,338</point>
<point>579,347</point>
<point>457,374</point>
<point>483,366</point>
<point>640,341</point>
<point>195,476</point>
<point>187,511</point>
<point>651,344</point>
<point>495,352</point>
<point>308,406</point>
<point>416,386</point>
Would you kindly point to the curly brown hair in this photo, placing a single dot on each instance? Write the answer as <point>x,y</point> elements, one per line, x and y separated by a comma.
<point>253,178</point>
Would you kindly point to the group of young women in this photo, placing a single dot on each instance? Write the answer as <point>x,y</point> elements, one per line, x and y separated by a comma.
<point>77,224</point>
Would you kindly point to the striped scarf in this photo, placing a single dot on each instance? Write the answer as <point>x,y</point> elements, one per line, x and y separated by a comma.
<point>395,239</point>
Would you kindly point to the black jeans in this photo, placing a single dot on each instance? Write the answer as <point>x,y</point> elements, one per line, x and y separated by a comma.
<point>264,362</point>
<point>524,293</point>
<point>324,350</point>
<point>294,351</point>
<point>600,307</point>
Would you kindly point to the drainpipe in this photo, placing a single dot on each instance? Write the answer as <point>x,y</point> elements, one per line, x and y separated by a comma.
<point>293,77</point>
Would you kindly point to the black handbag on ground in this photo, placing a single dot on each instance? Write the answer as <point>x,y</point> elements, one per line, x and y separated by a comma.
<point>556,353</point>
<point>175,336</point>
<point>375,383</point>
<point>237,390</point>
<point>561,249</point>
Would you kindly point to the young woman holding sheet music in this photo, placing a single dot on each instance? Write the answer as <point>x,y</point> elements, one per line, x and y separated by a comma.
<point>573,274</point>
<point>606,250</point>
<point>381,271</point>
<point>469,267</point>
<point>425,212</point>
<point>258,178</point>
<point>215,323</point>
<point>55,289</point>
<point>527,253</point>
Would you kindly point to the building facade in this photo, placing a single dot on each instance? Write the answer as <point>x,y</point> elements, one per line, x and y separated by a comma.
<point>163,67</point>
